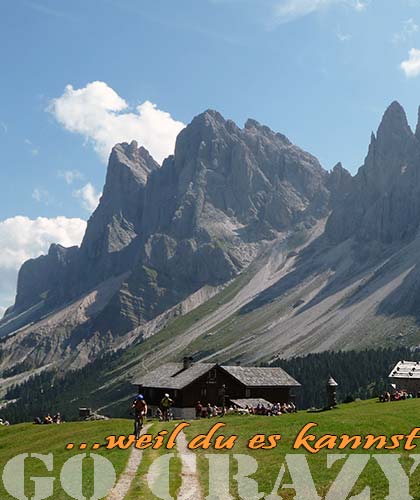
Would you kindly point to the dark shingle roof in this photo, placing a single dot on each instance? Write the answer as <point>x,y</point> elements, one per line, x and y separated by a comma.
<point>261,377</point>
<point>172,375</point>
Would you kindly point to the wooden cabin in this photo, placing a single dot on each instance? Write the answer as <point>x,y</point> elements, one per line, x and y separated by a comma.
<point>188,382</point>
<point>406,375</point>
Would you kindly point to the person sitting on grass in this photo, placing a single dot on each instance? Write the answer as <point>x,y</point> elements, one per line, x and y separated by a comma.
<point>48,419</point>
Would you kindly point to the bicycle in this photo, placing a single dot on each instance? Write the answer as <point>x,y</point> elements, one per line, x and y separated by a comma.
<point>138,423</point>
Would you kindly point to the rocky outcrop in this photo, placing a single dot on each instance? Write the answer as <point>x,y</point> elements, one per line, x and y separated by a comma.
<point>232,199</point>
<point>383,203</point>
<point>40,279</point>
<point>211,207</point>
<point>340,184</point>
<point>198,220</point>
<point>108,247</point>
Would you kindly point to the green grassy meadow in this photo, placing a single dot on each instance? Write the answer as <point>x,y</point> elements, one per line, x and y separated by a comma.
<point>44,439</point>
<point>364,417</point>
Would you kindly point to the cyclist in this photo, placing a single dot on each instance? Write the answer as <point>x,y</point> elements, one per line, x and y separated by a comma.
<point>140,411</point>
<point>165,405</point>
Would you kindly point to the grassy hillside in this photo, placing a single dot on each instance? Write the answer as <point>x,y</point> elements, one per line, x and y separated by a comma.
<point>367,417</point>
<point>44,439</point>
<point>30,438</point>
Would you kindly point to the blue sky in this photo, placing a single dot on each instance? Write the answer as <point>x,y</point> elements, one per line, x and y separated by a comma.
<point>320,71</point>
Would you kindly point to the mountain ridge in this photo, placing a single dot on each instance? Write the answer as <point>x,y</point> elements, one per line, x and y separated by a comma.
<point>326,260</point>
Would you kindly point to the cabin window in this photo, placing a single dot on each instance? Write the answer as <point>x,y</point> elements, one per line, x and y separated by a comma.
<point>212,375</point>
<point>203,393</point>
<point>247,393</point>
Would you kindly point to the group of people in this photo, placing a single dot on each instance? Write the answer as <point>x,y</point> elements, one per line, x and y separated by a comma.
<point>48,419</point>
<point>4,422</point>
<point>276,409</point>
<point>209,411</point>
<point>398,395</point>
<point>163,412</point>
<point>273,410</point>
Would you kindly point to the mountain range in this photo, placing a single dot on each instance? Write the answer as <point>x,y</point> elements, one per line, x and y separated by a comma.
<point>240,246</point>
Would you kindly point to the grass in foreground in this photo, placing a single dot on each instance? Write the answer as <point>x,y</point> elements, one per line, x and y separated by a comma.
<point>367,417</point>
<point>44,439</point>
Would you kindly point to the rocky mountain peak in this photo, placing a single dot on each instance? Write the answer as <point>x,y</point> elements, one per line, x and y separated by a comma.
<point>207,119</point>
<point>339,183</point>
<point>129,160</point>
<point>394,124</point>
<point>116,222</point>
<point>253,126</point>
<point>385,189</point>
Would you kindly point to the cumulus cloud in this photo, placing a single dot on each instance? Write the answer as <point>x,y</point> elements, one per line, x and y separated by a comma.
<point>104,118</point>
<point>411,66</point>
<point>88,197</point>
<point>409,29</point>
<point>289,10</point>
<point>22,238</point>
<point>70,175</point>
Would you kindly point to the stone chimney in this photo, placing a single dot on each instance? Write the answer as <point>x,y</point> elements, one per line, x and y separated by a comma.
<point>188,361</point>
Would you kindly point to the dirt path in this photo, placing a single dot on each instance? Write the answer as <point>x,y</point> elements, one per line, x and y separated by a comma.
<point>190,486</point>
<point>124,482</point>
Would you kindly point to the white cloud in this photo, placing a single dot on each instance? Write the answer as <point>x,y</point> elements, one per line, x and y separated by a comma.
<point>409,29</point>
<point>359,5</point>
<point>22,238</point>
<point>103,117</point>
<point>289,10</point>
<point>88,197</point>
<point>70,175</point>
<point>43,196</point>
<point>411,66</point>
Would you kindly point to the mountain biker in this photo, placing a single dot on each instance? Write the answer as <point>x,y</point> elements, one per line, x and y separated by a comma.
<point>165,405</point>
<point>140,411</point>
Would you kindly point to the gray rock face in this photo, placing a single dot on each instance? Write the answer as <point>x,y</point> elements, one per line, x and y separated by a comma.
<point>199,219</point>
<point>340,184</point>
<point>383,203</point>
<point>38,277</point>
<point>229,198</point>
<point>109,244</point>
<point>210,207</point>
